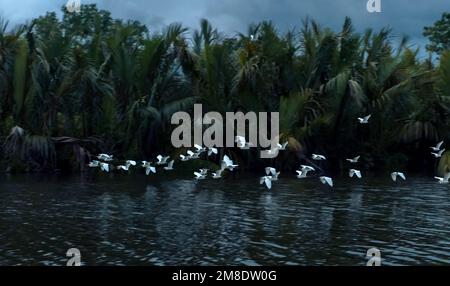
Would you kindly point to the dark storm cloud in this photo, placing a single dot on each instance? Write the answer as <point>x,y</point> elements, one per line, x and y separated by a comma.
<point>404,16</point>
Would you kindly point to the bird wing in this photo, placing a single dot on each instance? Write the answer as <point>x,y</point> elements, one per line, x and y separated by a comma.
<point>285,145</point>
<point>198,147</point>
<point>439,145</point>
<point>268,182</point>
<point>227,160</point>
<point>329,181</point>
<point>351,173</point>
<point>170,165</point>
<point>190,153</point>
<point>356,159</point>
<point>394,176</point>
<point>402,176</point>
<point>367,117</point>
<point>197,175</point>
<point>358,174</point>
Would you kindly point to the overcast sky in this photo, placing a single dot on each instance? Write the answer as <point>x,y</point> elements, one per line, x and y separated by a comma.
<point>404,16</point>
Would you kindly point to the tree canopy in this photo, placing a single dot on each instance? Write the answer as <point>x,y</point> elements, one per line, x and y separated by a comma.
<point>89,83</point>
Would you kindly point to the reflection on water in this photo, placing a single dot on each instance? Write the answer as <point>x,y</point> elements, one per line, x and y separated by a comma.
<point>136,220</point>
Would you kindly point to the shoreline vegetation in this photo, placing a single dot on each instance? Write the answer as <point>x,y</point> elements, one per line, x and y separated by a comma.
<point>85,84</point>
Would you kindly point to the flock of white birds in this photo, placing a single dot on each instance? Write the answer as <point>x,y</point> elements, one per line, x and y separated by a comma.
<point>104,163</point>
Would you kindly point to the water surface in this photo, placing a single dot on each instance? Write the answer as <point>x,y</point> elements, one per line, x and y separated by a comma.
<point>137,220</point>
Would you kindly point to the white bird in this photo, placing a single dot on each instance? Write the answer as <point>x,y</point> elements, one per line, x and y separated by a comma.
<point>242,143</point>
<point>318,157</point>
<point>129,163</point>
<point>444,180</point>
<point>124,168</point>
<point>193,155</point>
<point>438,147</point>
<point>162,160</point>
<point>354,160</point>
<point>148,168</point>
<point>364,120</point>
<point>185,158</point>
<point>266,180</point>
<point>307,168</point>
<point>252,37</point>
<point>94,164</point>
<point>212,151</point>
<point>394,176</point>
<point>273,171</point>
<point>228,163</point>
<point>200,149</point>
<point>105,157</point>
<point>282,147</point>
<point>327,180</point>
<point>354,172</point>
<point>217,174</point>
<point>301,174</point>
<point>204,171</point>
<point>169,166</point>
<point>199,176</point>
<point>438,154</point>
<point>275,176</point>
<point>270,170</point>
<point>104,167</point>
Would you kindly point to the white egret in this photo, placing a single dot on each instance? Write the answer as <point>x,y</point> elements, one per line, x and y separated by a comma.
<point>228,163</point>
<point>364,120</point>
<point>266,180</point>
<point>302,174</point>
<point>318,157</point>
<point>200,149</point>
<point>444,180</point>
<point>129,163</point>
<point>438,154</point>
<point>270,170</point>
<point>193,155</point>
<point>327,180</point>
<point>438,147</point>
<point>354,172</point>
<point>217,174</point>
<point>162,160</point>
<point>123,168</point>
<point>212,151</point>
<point>354,160</point>
<point>169,166</point>
<point>105,157</point>
<point>94,164</point>
<point>307,168</point>
<point>282,147</point>
<point>148,168</point>
<point>104,167</point>
<point>395,175</point>
<point>185,158</point>
<point>199,176</point>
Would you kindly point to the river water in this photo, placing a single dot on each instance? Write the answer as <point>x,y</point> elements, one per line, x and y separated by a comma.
<point>137,220</point>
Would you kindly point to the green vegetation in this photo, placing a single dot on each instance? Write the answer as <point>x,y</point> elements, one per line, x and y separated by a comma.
<point>89,83</point>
